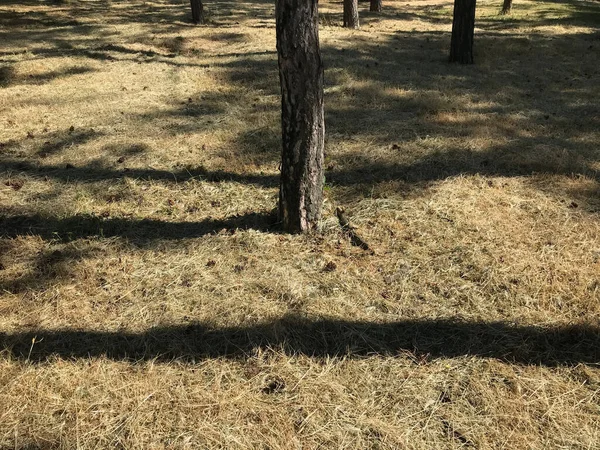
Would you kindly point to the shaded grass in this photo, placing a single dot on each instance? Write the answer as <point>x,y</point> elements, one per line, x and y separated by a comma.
<point>320,339</point>
<point>140,231</point>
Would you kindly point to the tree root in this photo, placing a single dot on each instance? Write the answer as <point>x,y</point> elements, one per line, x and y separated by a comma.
<point>355,239</point>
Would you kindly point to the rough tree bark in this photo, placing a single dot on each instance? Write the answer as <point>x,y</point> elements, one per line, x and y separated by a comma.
<point>197,11</point>
<point>375,6</point>
<point>506,7</point>
<point>463,28</point>
<point>302,120</point>
<point>351,14</point>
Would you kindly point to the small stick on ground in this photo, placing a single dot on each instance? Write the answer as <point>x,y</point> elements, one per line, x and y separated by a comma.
<point>355,239</point>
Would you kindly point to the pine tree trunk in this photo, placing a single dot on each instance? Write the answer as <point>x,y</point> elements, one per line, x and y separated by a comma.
<point>375,6</point>
<point>197,11</point>
<point>351,14</point>
<point>302,120</point>
<point>506,7</point>
<point>463,28</point>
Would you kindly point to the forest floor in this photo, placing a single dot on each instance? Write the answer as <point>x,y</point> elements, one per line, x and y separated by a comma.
<point>148,300</point>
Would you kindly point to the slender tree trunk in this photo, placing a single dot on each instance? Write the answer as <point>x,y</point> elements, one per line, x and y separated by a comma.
<point>197,11</point>
<point>506,7</point>
<point>302,120</point>
<point>375,6</point>
<point>351,14</point>
<point>463,28</point>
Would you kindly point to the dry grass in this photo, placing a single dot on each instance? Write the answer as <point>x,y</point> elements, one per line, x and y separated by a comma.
<point>147,299</point>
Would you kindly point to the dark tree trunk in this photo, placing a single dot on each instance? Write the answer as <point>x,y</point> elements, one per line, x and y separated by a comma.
<point>375,6</point>
<point>197,11</point>
<point>463,28</point>
<point>351,14</point>
<point>302,120</point>
<point>506,7</point>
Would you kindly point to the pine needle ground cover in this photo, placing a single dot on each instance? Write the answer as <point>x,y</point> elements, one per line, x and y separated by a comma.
<point>147,300</point>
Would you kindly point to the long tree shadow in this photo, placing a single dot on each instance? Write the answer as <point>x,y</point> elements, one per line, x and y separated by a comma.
<point>421,340</point>
<point>141,232</point>
<point>456,161</point>
<point>90,173</point>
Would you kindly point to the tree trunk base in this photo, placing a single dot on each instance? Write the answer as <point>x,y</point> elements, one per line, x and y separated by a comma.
<point>302,118</point>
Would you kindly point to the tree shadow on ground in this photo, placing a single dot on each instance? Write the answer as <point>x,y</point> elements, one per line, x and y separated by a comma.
<point>557,13</point>
<point>69,22</point>
<point>8,77</point>
<point>49,266</point>
<point>90,173</point>
<point>137,231</point>
<point>570,13</point>
<point>57,141</point>
<point>421,340</point>
<point>56,262</point>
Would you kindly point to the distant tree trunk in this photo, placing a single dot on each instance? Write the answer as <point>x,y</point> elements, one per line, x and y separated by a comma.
<point>506,7</point>
<point>197,11</point>
<point>302,120</point>
<point>463,28</point>
<point>375,6</point>
<point>351,14</point>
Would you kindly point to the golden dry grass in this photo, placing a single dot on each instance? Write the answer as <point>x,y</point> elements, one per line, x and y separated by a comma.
<point>148,301</point>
